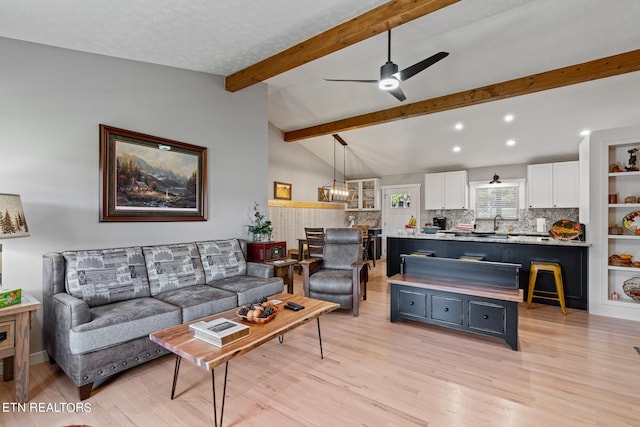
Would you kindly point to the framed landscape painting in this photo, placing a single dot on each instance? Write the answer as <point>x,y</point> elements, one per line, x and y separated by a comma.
<point>149,178</point>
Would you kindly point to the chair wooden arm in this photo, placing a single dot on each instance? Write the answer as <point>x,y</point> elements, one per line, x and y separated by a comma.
<point>309,267</point>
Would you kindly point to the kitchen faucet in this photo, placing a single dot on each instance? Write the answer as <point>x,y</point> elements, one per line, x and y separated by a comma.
<point>495,222</point>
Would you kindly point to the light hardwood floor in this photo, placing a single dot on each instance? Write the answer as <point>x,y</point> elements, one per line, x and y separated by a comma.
<point>574,370</point>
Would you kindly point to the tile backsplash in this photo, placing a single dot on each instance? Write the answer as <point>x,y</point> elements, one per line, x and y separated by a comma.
<point>526,223</point>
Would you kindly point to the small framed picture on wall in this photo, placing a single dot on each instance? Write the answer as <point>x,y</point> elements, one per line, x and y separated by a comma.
<point>281,190</point>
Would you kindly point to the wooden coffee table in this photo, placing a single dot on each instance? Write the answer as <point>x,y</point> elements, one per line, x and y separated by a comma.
<point>180,340</point>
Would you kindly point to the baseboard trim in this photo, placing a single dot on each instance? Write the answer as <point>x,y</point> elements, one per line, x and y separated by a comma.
<point>34,359</point>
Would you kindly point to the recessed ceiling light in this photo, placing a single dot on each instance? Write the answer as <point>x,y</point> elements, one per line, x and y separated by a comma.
<point>459,126</point>
<point>511,143</point>
<point>508,118</point>
<point>456,149</point>
<point>585,132</point>
<point>164,147</point>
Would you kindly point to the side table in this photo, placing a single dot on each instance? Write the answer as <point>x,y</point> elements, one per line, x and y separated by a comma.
<point>284,268</point>
<point>15,327</point>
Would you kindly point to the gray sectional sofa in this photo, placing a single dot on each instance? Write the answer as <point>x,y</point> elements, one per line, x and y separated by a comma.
<point>101,305</point>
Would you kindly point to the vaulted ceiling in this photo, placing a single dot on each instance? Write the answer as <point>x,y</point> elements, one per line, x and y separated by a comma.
<point>489,41</point>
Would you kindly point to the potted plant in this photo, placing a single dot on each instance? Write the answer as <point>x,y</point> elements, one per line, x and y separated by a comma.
<point>260,227</point>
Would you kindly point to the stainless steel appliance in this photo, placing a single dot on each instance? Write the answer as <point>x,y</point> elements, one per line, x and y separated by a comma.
<point>440,222</point>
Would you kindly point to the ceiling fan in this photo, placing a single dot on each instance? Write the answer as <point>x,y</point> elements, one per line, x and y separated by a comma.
<point>390,77</point>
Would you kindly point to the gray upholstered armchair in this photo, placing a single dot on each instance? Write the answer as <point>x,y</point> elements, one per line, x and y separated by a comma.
<point>340,276</point>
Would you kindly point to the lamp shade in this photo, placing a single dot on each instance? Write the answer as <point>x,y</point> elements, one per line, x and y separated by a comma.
<point>12,220</point>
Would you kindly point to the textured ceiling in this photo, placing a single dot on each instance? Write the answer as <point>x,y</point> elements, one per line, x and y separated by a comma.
<point>213,36</point>
<point>490,41</point>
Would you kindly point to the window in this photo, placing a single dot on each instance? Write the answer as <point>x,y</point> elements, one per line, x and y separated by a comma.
<point>497,199</point>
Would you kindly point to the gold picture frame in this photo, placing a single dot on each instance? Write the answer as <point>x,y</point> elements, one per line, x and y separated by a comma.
<point>281,190</point>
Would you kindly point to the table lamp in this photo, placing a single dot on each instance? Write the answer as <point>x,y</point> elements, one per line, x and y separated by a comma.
<point>12,224</point>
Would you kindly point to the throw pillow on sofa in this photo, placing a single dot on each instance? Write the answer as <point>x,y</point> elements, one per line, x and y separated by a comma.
<point>100,277</point>
<point>173,267</point>
<point>222,259</point>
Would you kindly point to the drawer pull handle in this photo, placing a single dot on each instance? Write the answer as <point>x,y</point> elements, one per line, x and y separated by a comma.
<point>485,317</point>
<point>446,309</point>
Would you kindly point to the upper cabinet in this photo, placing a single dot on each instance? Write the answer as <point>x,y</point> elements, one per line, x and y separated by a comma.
<point>553,185</point>
<point>364,195</point>
<point>446,190</point>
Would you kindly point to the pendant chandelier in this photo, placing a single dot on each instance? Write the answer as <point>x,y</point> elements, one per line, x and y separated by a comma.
<point>337,191</point>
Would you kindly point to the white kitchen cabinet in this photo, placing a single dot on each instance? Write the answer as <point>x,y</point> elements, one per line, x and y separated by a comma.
<point>364,194</point>
<point>553,185</point>
<point>446,190</point>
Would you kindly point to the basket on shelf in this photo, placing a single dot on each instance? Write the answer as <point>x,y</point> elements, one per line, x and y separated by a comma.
<point>631,287</point>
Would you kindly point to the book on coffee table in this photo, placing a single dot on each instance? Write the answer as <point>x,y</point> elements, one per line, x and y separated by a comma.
<point>220,332</point>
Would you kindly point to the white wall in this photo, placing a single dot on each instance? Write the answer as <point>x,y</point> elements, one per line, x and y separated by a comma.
<point>51,103</point>
<point>292,163</point>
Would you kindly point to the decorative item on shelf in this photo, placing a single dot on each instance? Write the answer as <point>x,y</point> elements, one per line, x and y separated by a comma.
<point>621,260</point>
<point>261,228</point>
<point>13,224</point>
<point>631,199</point>
<point>337,191</point>
<point>631,222</point>
<point>615,230</point>
<point>633,159</point>
<point>631,287</point>
<point>615,168</point>
<point>614,296</point>
<point>613,199</point>
<point>258,312</point>
<point>565,229</point>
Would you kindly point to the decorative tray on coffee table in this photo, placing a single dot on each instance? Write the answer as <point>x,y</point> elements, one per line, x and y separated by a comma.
<point>258,312</point>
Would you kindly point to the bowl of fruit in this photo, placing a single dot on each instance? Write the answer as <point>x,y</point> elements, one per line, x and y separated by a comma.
<point>261,311</point>
<point>412,226</point>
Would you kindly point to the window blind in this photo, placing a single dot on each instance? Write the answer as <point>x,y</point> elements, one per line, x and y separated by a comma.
<point>497,199</point>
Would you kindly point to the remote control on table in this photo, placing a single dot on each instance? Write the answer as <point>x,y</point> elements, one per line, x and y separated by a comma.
<point>293,306</point>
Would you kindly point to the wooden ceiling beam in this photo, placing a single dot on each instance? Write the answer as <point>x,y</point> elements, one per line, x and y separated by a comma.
<point>627,62</point>
<point>369,24</point>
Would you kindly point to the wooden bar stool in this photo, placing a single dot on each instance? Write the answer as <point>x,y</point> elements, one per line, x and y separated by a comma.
<point>551,267</point>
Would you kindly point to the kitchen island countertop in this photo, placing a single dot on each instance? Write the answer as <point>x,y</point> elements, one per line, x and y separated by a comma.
<point>498,238</point>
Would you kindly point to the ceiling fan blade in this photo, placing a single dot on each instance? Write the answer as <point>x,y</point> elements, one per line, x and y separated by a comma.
<point>354,81</point>
<point>397,92</point>
<point>411,71</point>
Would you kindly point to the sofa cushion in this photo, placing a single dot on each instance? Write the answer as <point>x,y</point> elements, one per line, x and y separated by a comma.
<point>105,276</point>
<point>250,288</point>
<point>199,301</point>
<point>222,258</point>
<point>121,322</point>
<point>173,267</point>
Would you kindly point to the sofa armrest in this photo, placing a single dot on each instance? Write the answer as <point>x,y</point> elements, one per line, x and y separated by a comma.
<point>74,311</point>
<point>257,269</point>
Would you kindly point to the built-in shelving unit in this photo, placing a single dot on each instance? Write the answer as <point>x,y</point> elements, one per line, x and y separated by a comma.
<point>606,233</point>
<point>621,185</point>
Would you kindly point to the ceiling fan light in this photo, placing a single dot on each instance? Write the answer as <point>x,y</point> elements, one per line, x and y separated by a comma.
<point>388,83</point>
